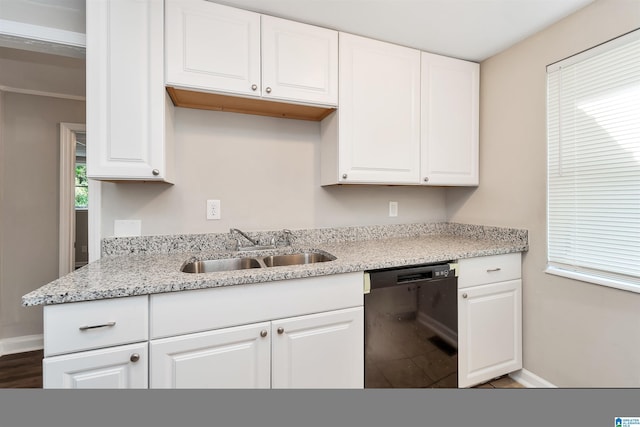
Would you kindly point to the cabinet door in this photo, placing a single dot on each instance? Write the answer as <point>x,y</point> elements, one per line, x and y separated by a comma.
<point>489,331</point>
<point>126,98</point>
<point>379,114</point>
<point>124,366</point>
<point>449,131</point>
<point>324,350</point>
<point>237,357</point>
<point>299,62</point>
<point>212,47</point>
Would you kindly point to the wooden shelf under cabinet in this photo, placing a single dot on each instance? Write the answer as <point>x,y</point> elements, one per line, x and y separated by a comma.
<point>260,107</point>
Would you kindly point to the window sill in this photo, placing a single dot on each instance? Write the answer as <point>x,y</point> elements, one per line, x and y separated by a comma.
<point>589,278</point>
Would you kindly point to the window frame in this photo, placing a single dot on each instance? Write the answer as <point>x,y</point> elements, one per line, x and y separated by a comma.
<point>577,273</point>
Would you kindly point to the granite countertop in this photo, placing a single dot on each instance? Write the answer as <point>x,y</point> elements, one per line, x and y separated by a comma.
<point>142,266</point>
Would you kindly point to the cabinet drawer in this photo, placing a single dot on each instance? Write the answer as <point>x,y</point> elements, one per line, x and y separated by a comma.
<point>178,313</point>
<point>95,324</point>
<point>489,269</point>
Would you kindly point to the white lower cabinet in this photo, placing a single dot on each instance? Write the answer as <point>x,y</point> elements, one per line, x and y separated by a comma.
<point>235,357</point>
<point>489,318</point>
<point>297,333</point>
<point>123,366</point>
<point>97,344</point>
<point>322,350</point>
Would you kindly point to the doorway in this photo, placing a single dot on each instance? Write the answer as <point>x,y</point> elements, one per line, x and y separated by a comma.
<point>79,202</point>
<point>81,243</point>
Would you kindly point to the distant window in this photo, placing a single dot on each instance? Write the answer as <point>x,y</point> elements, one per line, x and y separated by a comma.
<point>82,187</point>
<point>593,128</point>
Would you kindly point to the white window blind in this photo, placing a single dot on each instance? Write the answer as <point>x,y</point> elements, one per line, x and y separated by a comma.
<point>593,125</point>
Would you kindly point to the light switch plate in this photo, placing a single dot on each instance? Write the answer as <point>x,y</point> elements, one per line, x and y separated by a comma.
<point>393,208</point>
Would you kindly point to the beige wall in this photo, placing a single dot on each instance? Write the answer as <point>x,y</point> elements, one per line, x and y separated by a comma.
<point>29,175</point>
<point>575,334</point>
<point>29,163</point>
<point>20,69</point>
<point>265,172</point>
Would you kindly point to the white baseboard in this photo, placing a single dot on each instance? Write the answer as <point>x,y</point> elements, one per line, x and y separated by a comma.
<point>531,380</point>
<point>21,344</point>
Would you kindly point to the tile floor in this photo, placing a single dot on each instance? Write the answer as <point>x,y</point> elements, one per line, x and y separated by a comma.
<point>503,382</point>
<point>24,370</point>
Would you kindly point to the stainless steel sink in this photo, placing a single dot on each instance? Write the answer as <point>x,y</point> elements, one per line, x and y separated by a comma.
<point>296,259</point>
<point>230,264</point>
<point>211,265</point>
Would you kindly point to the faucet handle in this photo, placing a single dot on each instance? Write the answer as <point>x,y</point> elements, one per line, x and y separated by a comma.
<point>288,235</point>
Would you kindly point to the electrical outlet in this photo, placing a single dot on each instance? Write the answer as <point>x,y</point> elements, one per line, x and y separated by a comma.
<point>213,209</point>
<point>393,208</point>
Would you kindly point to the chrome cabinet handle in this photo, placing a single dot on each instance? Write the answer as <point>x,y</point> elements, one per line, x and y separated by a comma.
<point>344,176</point>
<point>491,270</point>
<point>104,325</point>
<point>281,331</point>
<point>254,87</point>
<point>464,295</point>
<point>263,333</point>
<point>268,90</point>
<point>426,179</point>
<point>155,172</point>
<point>134,357</point>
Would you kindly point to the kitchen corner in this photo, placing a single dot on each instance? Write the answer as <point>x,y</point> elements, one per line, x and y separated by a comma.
<point>156,324</point>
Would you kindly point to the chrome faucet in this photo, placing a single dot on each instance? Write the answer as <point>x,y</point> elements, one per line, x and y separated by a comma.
<point>243,234</point>
<point>255,244</point>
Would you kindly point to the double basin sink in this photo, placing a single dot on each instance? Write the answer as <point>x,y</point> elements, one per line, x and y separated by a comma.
<point>230,264</point>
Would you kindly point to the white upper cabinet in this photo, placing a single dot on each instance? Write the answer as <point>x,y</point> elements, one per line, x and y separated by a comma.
<point>216,48</point>
<point>212,47</point>
<point>374,137</point>
<point>299,62</point>
<point>128,111</point>
<point>405,117</point>
<point>449,126</point>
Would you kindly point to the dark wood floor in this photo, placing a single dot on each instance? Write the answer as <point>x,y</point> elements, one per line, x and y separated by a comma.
<point>24,370</point>
<point>21,370</point>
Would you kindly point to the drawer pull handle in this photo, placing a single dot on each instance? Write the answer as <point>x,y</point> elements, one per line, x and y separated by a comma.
<point>134,357</point>
<point>105,325</point>
<point>491,270</point>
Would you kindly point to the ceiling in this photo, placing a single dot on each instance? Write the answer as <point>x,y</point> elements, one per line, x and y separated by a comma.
<point>465,29</point>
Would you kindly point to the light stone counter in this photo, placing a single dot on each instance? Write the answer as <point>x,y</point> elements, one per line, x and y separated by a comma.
<point>150,265</point>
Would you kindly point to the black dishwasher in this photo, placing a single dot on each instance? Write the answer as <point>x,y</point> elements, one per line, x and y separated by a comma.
<point>411,327</point>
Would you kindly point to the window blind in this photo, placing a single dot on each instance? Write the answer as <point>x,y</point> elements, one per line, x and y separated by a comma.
<point>593,131</point>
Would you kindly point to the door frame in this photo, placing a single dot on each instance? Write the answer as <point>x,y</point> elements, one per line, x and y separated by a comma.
<point>67,227</point>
